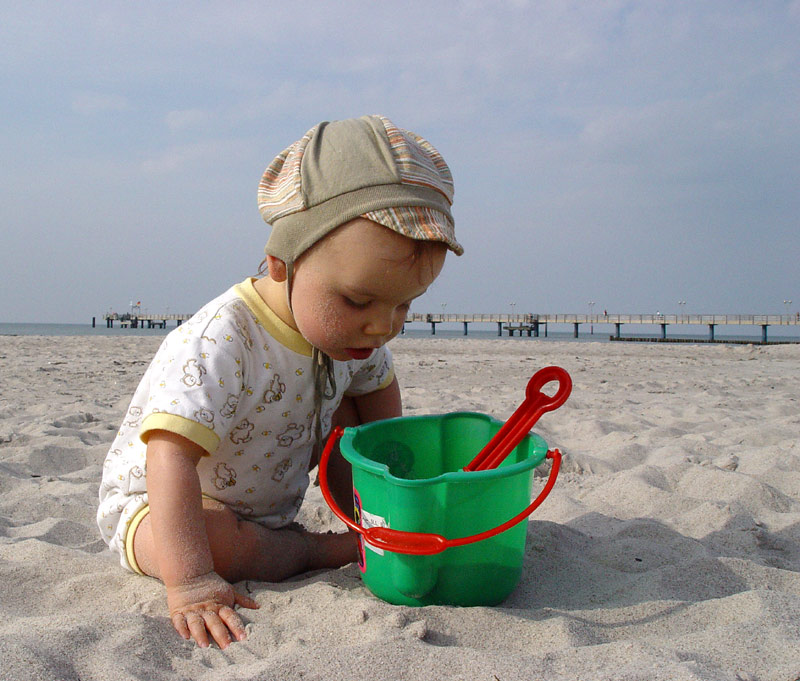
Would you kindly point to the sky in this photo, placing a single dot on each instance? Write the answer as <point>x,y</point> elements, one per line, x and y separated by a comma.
<point>628,156</point>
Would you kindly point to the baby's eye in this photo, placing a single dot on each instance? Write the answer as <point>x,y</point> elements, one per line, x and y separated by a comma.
<point>354,303</point>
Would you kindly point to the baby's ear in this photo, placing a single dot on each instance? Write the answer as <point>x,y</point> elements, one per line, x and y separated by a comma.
<point>277,269</point>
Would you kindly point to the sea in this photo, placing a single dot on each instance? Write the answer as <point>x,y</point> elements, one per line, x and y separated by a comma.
<point>597,333</point>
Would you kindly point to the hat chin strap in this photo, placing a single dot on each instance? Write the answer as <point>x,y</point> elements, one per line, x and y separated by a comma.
<point>323,375</point>
<point>324,388</point>
<point>289,279</point>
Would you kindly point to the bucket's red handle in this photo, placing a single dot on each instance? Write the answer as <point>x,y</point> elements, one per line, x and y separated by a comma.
<point>420,543</point>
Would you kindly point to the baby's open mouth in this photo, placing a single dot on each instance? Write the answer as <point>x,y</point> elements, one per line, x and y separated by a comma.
<point>359,353</point>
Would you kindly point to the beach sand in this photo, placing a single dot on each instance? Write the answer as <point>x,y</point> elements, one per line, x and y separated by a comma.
<point>669,548</point>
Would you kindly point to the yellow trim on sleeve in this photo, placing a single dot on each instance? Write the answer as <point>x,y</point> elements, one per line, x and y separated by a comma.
<point>384,384</point>
<point>388,380</point>
<point>275,326</point>
<point>191,430</point>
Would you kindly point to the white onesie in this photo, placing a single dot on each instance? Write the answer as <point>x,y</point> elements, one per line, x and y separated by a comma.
<point>237,381</point>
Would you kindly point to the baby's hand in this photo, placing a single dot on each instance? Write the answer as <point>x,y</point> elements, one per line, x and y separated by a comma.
<point>205,605</point>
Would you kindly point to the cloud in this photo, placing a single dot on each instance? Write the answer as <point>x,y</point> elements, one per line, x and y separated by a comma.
<point>217,153</point>
<point>92,103</point>
<point>187,118</point>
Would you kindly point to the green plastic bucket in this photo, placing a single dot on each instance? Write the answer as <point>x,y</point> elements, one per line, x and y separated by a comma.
<point>447,541</point>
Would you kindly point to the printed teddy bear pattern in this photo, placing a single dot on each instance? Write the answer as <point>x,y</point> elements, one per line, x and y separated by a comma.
<point>275,391</point>
<point>193,373</point>
<point>224,476</point>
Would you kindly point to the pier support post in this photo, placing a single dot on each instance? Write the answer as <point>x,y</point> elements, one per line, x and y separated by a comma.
<point>466,324</point>
<point>764,333</point>
<point>663,330</point>
<point>499,328</point>
<point>536,329</point>
<point>618,326</point>
<point>575,332</point>
<point>711,331</point>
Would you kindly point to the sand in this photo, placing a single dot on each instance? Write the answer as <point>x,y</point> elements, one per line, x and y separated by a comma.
<point>669,549</point>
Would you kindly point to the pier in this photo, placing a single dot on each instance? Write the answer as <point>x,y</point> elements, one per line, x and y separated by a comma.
<point>535,324</point>
<point>135,320</point>
<point>531,324</point>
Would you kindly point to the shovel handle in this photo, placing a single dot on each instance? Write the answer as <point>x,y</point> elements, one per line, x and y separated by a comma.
<point>421,543</point>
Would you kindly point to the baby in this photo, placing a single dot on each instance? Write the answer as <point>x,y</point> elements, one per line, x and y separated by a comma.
<point>207,473</point>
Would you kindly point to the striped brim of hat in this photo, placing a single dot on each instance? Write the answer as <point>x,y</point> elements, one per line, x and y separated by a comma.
<point>419,223</point>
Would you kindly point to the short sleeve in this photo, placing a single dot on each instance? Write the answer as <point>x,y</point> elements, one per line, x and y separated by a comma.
<point>195,387</point>
<point>376,373</point>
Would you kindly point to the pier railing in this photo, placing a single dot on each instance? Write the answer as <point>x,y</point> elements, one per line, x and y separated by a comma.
<point>532,323</point>
<point>135,319</point>
<point>569,318</point>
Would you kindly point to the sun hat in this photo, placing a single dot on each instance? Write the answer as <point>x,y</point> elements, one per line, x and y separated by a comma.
<point>358,167</point>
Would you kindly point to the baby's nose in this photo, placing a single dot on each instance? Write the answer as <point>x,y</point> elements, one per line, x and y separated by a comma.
<point>379,325</point>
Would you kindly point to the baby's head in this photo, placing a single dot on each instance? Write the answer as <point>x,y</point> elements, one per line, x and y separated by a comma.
<point>361,222</point>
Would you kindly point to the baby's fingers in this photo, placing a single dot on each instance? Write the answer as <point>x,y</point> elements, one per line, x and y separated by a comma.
<point>179,622</point>
<point>196,622</point>
<point>196,625</point>
<point>219,629</point>
<point>233,622</point>
<point>222,622</point>
<point>245,601</point>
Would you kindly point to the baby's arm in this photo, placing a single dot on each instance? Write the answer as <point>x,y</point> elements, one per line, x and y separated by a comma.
<point>200,601</point>
<point>374,406</point>
<point>380,404</point>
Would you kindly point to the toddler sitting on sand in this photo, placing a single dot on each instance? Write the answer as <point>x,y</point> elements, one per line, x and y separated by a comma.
<point>210,465</point>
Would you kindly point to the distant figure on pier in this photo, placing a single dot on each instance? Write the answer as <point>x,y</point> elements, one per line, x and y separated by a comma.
<point>207,473</point>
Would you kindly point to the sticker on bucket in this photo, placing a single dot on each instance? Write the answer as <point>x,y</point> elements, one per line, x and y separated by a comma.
<point>366,520</point>
<point>362,558</point>
<point>371,520</point>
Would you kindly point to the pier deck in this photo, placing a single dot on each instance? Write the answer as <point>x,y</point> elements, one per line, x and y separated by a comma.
<point>532,323</point>
<point>528,323</point>
<point>134,320</point>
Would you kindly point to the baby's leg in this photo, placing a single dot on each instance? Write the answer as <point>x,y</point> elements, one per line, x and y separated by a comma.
<point>242,549</point>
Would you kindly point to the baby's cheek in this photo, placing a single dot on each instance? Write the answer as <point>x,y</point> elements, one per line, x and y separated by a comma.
<point>328,320</point>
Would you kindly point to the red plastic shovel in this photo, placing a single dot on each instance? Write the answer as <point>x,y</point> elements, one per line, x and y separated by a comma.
<point>523,419</point>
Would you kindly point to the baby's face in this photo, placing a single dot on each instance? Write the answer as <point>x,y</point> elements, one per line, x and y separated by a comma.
<point>352,291</point>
